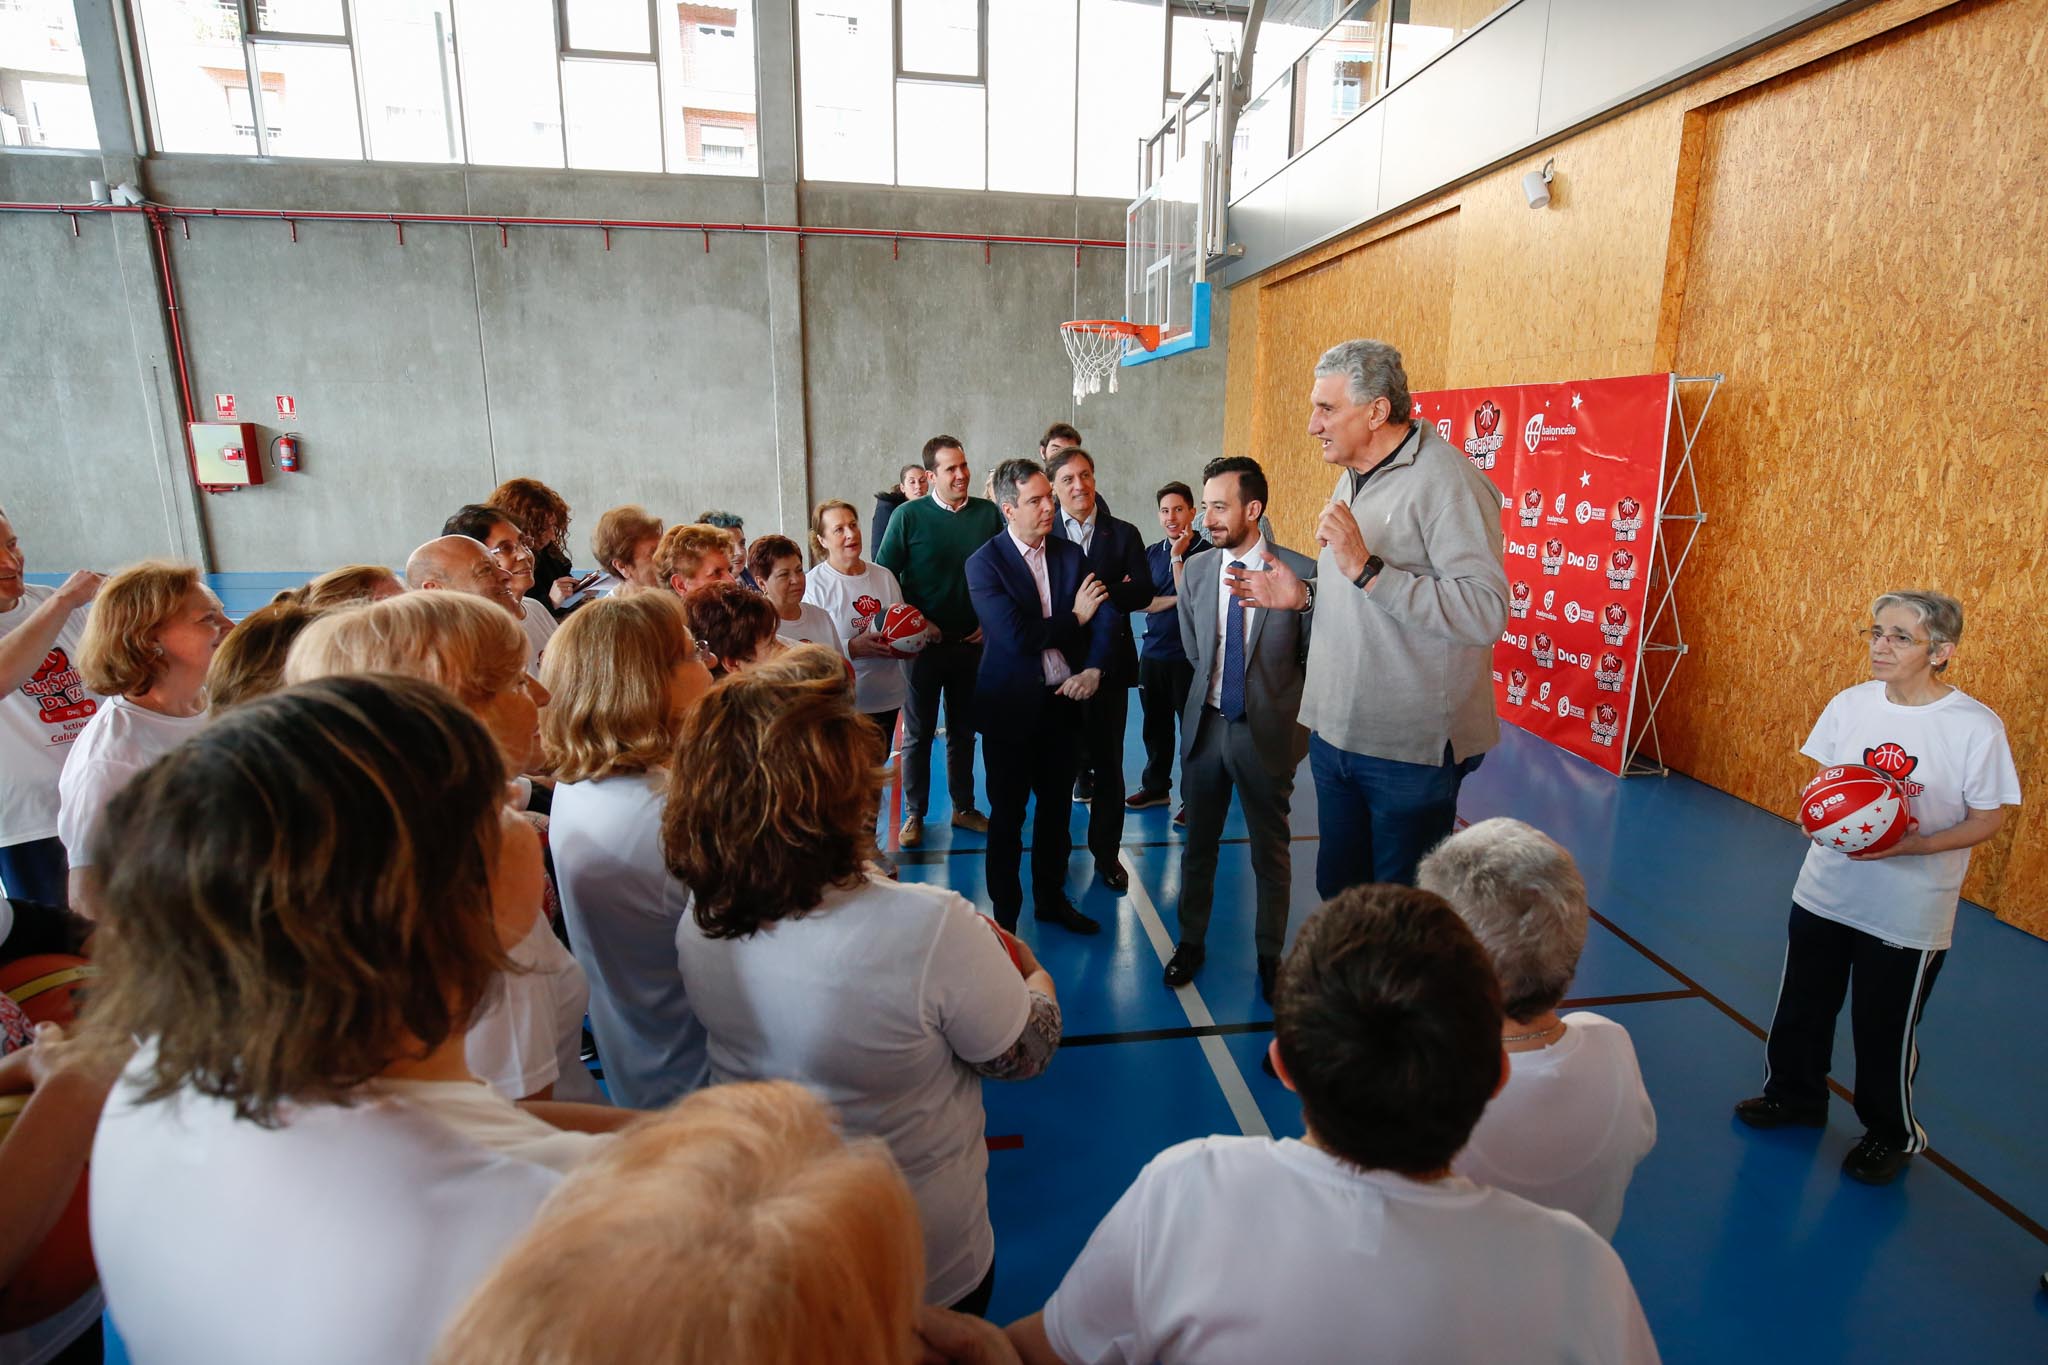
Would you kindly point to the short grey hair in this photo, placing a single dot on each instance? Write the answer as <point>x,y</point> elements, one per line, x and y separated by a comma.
<point>1522,896</point>
<point>1940,614</point>
<point>1009,476</point>
<point>1373,370</point>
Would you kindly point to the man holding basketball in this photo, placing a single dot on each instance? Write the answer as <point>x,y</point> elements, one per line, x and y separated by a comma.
<point>1882,919</point>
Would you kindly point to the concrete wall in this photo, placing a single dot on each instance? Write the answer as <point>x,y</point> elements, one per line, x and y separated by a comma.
<point>427,373</point>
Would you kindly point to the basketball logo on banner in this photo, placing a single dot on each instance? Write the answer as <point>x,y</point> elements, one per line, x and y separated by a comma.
<point>1579,496</point>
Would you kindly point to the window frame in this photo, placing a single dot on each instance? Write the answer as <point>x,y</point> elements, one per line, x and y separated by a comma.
<point>980,77</point>
<point>1235,10</point>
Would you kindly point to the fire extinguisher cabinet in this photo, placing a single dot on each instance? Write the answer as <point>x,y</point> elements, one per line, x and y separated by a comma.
<point>225,455</point>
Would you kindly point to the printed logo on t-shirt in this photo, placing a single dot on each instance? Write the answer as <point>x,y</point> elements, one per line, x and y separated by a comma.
<point>864,608</point>
<point>59,695</point>
<point>1892,758</point>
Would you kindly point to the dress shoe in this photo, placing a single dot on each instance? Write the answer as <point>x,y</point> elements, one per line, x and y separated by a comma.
<point>912,833</point>
<point>971,820</point>
<point>1180,817</point>
<point>1269,972</point>
<point>1084,789</point>
<point>1186,961</point>
<point>1142,799</point>
<point>1765,1112</point>
<point>1875,1161</point>
<point>1112,875</point>
<point>1066,917</point>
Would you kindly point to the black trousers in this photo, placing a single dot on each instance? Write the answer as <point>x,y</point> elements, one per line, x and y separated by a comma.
<point>1163,692</point>
<point>943,670</point>
<point>1103,717</point>
<point>1036,760</point>
<point>1823,958</point>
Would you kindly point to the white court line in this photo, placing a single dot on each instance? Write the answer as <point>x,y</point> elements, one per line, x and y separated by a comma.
<point>1243,1107</point>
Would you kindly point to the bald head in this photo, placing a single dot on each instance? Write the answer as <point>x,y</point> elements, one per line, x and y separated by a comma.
<point>459,564</point>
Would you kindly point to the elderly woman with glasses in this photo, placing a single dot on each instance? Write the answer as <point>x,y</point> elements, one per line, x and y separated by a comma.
<point>1882,919</point>
<point>1572,1120</point>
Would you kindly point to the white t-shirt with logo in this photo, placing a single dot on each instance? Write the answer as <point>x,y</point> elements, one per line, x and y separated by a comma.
<point>855,602</point>
<point>539,625</point>
<point>39,721</point>
<point>813,626</point>
<point>877,1001</point>
<point>345,1234</point>
<point>529,1034</point>
<point>118,742</point>
<point>623,908</point>
<point>1234,1249</point>
<point>1953,757</point>
<point>1570,1126</point>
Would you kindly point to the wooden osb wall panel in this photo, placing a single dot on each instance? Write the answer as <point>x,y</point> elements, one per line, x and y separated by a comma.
<point>1241,370</point>
<point>1571,290</point>
<point>1396,288</point>
<point>1865,267</point>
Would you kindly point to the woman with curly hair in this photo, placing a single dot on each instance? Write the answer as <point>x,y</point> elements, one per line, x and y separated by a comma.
<point>892,1001</point>
<point>542,516</point>
<point>736,624</point>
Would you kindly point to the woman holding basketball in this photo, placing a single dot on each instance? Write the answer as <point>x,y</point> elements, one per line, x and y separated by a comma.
<point>856,593</point>
<point>1883,919</point>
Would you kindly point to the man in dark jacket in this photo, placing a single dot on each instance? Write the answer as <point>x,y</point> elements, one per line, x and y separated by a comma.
<point>1116,556</point>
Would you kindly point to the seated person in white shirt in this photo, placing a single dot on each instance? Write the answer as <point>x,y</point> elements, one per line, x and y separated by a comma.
<point>528,1041</point>
<point>737,1226</point>
<point>1574,1119</point>
<point>318,894</point>
<point>1357,1244</point>
<point>624,543</point>
<point>778,566</point>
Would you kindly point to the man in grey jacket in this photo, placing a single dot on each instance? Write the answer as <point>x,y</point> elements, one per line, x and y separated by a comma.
<point>1410,595</point>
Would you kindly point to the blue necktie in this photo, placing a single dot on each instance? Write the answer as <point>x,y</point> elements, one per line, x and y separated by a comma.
<point>1232,697</point>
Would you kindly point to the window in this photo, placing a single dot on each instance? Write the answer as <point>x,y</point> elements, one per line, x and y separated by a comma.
<point>723,143</point>
<point>1120,39</point>
<point>44,101</point>
<point>1195,38</point>
<point>608,84</point>
<point>847,51</point>
<point>1031,96</point>
<point>940,38</point>
<point>1418,31</point>
<point>1335,79</point>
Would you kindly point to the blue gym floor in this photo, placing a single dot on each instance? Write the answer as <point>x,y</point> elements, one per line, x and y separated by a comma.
<point>1741,1244</point>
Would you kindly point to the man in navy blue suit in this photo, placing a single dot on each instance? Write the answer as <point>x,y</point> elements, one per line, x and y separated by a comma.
<point>1045,645</point>
<point>1116,556</point>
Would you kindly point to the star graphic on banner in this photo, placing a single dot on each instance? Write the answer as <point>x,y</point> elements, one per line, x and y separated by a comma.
<point>1585,479</point>
<point>1576,400</point>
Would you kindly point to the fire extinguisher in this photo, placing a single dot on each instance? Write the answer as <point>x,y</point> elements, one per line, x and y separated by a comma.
<point>284,451</point>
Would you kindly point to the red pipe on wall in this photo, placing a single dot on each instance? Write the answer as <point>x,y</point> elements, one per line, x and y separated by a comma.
<point>522,220</point>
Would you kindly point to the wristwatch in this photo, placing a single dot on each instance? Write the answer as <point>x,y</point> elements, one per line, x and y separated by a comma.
<point>1373,564</point>
<point>1309,584</point>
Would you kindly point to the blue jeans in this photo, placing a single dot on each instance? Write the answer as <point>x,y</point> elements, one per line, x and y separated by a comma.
<point>1376,817</point>
<point>36,871</point>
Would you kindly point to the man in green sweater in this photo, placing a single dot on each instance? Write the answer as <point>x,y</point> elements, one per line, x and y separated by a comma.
<point>926,546</point>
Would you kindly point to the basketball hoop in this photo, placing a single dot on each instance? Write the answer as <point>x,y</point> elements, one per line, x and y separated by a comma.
<point>1097,347</point>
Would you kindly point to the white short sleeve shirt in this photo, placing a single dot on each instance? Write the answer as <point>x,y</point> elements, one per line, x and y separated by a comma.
<point>345,1234</point>
<point>1357,1268</point>
<point>39,721</point>
<point>529,1034</point>
<point>855,602</point>
<point>539,624</point>
<point>877,1001</point>
<point>1953,757</point>
<point>118,742</point>
<point>1570,1126</point>
<point>813,626</point>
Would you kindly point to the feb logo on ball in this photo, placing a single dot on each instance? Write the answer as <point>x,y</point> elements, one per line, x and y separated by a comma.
<point>1855,808</point>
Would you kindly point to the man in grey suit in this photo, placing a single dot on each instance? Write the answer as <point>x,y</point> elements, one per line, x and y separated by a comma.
<point>1239,730</point>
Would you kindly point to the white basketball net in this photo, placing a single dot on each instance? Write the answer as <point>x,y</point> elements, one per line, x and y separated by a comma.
<point>1096,352</point>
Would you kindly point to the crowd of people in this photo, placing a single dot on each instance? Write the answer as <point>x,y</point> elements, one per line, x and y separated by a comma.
<point>355,870</point>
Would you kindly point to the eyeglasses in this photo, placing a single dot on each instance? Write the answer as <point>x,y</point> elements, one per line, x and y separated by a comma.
<point>1897,639</point>
<point>511,553</point>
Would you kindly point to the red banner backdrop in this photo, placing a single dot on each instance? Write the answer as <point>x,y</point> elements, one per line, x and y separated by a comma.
<point>1579,465</point>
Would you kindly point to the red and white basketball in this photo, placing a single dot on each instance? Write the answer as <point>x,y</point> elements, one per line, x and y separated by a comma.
<point>903,629</point>
<point>1855,809</point>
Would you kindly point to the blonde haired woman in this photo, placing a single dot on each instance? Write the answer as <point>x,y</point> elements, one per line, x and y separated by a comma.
<point>856,593</point>
<point>528,1042</point>
<point>738,1226</point>
<point>152,633</point>
<point>351,585</point>
<point>623,671</point>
